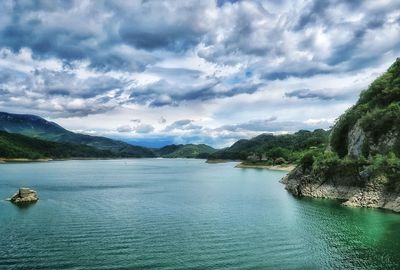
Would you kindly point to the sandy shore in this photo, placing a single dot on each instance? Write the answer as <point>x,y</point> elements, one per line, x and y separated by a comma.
<point>216,161</point>
<point>287,168</point>
<point>11,160</point>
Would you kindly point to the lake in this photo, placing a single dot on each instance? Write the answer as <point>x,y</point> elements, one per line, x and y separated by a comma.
<point>182,214</point>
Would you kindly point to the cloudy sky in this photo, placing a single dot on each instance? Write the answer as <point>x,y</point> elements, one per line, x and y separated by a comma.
<point>159,72</point>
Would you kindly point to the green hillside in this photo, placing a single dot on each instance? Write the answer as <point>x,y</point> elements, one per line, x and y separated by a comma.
<point>186,151</point>
<point>20,146</point>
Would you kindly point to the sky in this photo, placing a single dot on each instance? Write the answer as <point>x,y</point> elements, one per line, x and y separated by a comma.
<point>189,71</point>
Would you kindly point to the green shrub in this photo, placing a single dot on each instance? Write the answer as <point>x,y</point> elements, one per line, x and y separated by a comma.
<point>380,121</point>
<point>387,166</point>
<point>279,161</point>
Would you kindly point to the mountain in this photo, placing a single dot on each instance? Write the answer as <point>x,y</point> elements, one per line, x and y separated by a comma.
<point>272,149</point>
<point>19,146</point>
<point>362,163</point>
<point>37,127</point>
<point>186,151</point>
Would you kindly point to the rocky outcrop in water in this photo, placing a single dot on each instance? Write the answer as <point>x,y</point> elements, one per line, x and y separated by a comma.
<point>24,196</point>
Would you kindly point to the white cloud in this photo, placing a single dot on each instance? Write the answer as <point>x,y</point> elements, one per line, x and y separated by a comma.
<point>101,64</point>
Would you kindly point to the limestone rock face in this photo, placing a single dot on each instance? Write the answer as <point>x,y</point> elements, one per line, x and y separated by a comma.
<point>24,196</point>
<point>356,140</point>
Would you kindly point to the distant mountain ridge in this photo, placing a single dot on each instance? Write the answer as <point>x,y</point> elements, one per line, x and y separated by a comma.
<point>186,151</point>
<point>32,126</point>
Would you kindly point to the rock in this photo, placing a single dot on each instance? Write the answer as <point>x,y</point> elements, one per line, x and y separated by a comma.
<point>24,196</point>
<point>372,195</point>
<point>356,138</point>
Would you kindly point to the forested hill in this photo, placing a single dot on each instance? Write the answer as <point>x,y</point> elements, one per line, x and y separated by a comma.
<point>14,146</point>
<point>274,149</point>
<point>185,151</point>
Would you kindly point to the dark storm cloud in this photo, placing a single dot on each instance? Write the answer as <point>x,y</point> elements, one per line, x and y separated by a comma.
<point>319,14</point>
<point>185,124</point>
<point>59,93</point>
<point>272,124</point>
<point>27,30</point>
<point>282,75</point>
<point>316,12</point>
<point>171,25</point>
<point>73,30</point>
<point>95,31</point>
<point>173,37</point>
<point>163,93</point>
<point>222,2</point>
<point>67,83</point>
<point>140,128</point>
<point>176,72</point>
<point>255,125</point>
<point>293,38</point>
<point>309,94</point>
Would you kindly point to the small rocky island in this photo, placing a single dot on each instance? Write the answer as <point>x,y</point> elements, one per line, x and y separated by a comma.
<point>24,196</point>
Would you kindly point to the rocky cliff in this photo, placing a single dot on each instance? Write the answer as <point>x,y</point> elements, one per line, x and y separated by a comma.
<point>361,166</point>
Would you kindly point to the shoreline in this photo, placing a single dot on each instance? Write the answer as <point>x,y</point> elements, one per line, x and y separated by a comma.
<point>286,168</point>
<point>23,160</point>
<point>218,161</point>
<point>27,160</point>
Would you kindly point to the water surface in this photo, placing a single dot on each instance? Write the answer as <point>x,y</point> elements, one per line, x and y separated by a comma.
<point>182,214</point>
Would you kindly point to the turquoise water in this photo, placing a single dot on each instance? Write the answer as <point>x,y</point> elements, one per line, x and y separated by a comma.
<point>182,214</point>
